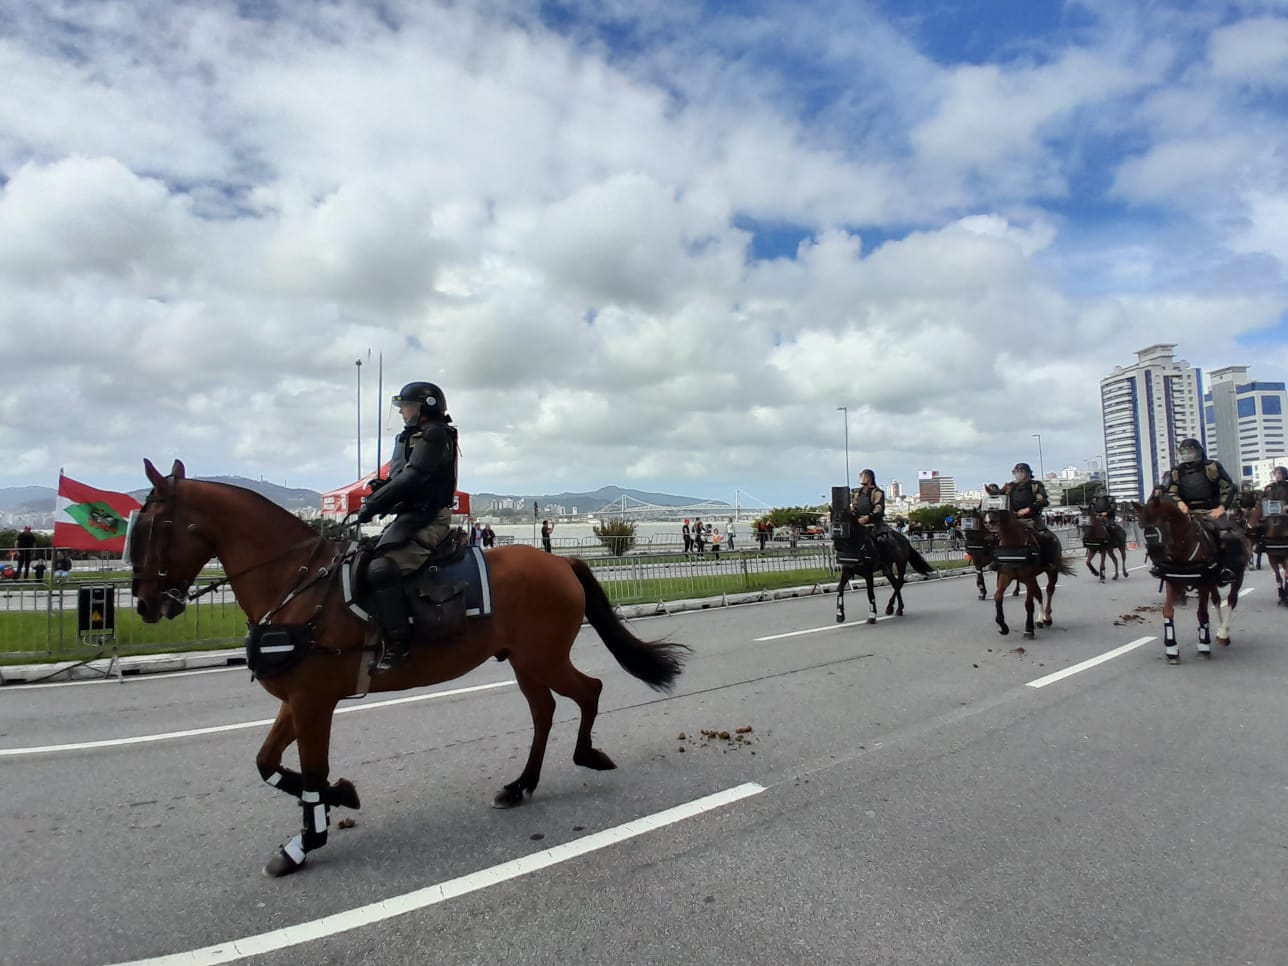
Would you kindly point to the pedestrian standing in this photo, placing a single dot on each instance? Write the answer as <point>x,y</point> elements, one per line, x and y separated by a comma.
<point>729,535</point>
<point>547,530</point>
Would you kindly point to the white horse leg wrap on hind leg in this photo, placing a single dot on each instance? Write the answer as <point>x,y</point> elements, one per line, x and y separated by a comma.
<point>1169,639</point>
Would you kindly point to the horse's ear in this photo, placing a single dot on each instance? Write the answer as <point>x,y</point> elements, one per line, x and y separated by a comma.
<point>154,475</point>
<point>177,470</point>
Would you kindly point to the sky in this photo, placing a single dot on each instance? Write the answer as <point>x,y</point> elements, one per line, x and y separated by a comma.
<point>655,245</point>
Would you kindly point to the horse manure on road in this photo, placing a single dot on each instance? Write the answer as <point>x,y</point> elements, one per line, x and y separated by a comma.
<point>709,737</point>
<point>1129,619</point>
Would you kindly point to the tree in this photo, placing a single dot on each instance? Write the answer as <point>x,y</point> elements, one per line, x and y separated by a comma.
<point>1083,494</point>
<point>617,534</point>
<point>933,517</point>
<point>797,516</point>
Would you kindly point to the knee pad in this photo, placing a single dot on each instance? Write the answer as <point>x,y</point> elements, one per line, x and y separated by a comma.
<point>383,572</point>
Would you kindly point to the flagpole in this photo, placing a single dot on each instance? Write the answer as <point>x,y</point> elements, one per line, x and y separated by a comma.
<point>358,363</point>
<point>380,394</point>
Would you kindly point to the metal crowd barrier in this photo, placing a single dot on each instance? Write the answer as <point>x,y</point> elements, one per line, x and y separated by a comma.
<point>39,622</point>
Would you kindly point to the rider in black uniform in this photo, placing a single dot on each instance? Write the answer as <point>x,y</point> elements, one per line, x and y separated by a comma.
<point>421,490</point>
<point>1028,498</point>
<point>868,505</point>
<point>1202,486</point>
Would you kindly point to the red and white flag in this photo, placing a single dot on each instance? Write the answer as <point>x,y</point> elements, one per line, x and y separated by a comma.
<point>87,518</point>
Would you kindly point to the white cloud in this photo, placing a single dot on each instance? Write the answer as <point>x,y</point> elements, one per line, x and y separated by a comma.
<point>205,219</point>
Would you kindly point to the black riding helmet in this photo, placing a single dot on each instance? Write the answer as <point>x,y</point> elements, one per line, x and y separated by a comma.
<point>1192,446</point>
<point>430,397</point>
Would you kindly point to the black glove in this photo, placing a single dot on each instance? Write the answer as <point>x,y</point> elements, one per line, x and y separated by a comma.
<point>376,484</point>
<point>366,513</point>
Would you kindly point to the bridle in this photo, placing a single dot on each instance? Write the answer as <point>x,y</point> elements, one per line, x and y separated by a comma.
<point>170,509</point>
<point>181,595</point>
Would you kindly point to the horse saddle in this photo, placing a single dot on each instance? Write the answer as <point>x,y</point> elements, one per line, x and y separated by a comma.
<point>1039,547</point>
<point>447,589</point>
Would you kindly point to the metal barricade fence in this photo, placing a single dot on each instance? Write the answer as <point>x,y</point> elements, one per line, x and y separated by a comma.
<point>39,621</point>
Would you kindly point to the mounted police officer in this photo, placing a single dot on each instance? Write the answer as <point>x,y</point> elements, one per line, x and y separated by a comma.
<point>420,491</point>
<point>1028,498</point>
<point>1103,506</point>
<point>868,501</point>
<point>1202,486</point>
<point>1277,488</point>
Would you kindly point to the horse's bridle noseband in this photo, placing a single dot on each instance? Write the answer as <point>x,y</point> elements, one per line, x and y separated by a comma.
<point>171,504</point>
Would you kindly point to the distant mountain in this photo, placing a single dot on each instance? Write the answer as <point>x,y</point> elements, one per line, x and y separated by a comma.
<point>290,498</point>
<point>27,499</point>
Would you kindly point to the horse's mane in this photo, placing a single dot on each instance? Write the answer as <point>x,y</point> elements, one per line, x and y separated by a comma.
<point>261,502</point>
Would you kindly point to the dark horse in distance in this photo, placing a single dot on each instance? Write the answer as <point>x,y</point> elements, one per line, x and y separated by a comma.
<point>294,587</point>
<point>859,552</point>
<point>1104,537</point>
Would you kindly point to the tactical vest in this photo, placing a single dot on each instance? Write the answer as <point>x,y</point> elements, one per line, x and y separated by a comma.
<point>1022,496</point>
<point>438,490</point>
<point>863,502</point>
<point>1196,483</point>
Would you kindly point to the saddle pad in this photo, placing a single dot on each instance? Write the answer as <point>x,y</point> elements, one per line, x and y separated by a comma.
<point>470,570</point>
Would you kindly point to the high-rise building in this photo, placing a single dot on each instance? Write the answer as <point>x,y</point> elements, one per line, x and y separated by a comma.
<point>1244,420</point>
<point>894,490</point>
<point>933,488</point>
<point>1148,408</point>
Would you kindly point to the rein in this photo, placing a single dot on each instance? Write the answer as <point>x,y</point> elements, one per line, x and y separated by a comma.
<point>303,582</point>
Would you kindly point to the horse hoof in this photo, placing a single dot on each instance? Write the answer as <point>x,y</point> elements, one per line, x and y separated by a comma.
<point>1115,576</point>
<point>508,797</point>
<point>595,759</point>
<point>1102,579</point>
<point>1029,635</point>
<point>870,620</point>
<point>344,794</point>
<point>840,618</point>
<point>1223,641</point>
<point>1173,660</point>
<point>1003,630</point>
<point>1205,653</point>
<point>281,864</point>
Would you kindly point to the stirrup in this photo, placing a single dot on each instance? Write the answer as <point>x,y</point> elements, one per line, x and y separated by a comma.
<point>391,657</point>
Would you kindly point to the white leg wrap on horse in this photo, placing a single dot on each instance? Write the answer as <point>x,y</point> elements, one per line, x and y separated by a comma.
<point>295,849</point>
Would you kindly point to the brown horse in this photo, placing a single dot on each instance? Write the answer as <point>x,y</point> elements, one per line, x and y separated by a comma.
<point>1185,554</point>
<point>287,577</point>
<point>980,533</point>
<point>1019,556</point>
<point>1102,536</point>
<point>1269,522</point>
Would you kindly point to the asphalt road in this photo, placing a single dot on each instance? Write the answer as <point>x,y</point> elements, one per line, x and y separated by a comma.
<point>908,798</point>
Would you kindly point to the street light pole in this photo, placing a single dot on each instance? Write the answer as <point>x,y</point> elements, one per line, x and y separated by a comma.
<point>846,411</point>
<point>1041,463</point>
<point>358,363</point>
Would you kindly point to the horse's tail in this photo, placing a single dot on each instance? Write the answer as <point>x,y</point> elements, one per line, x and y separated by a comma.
<point>919,562</point>
<point>1066,568</point>
<point>656,663</point>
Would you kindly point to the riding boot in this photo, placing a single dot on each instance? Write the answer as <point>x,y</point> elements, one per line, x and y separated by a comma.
<point>391,615</point>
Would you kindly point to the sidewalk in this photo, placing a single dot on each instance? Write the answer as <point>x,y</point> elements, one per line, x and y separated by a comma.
<point>233,657</point>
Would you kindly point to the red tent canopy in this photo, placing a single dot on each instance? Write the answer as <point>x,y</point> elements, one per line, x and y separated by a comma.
<point>348,499</point>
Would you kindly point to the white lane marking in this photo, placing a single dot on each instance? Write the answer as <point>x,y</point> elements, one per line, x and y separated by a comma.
<point>339,922</point>
<point>216,729</point>
<point>1246,590</point>
<point>826,627</point>
<point>1091,662</point>
<point>158,676</point>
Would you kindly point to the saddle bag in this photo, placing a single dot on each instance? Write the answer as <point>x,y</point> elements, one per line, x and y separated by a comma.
<point>1015,557</point>
<point>437,608</point>
<point>273,649</point>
